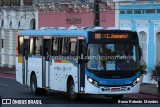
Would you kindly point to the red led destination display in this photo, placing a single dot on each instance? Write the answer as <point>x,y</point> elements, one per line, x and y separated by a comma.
<point>110,36</point>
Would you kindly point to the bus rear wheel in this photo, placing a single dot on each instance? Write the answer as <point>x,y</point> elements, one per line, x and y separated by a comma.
<point>33,85</point>
<point>34,89</point>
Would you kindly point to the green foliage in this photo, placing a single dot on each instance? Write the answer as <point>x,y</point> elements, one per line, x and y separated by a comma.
<point>143,67</point>
<point>154,71</point>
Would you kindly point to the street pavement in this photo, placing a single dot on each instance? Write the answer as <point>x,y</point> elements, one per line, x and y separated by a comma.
<point>9,88</point>
<point>148,91</point>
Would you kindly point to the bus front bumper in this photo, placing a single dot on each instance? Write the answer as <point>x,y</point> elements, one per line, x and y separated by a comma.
<point>92,89</point>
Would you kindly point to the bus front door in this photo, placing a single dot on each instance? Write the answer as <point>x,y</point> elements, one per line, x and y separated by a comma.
<point>46,62</point>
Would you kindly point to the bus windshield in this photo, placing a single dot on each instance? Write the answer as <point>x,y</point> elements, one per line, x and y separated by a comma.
<point>112,57</point>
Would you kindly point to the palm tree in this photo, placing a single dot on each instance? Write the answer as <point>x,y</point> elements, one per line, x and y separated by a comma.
<point>143,67</point>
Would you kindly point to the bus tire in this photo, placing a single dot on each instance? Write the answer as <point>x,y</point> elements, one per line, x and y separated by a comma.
<point>71,91</point>
<point>33,85</point>
<point>117,97</point>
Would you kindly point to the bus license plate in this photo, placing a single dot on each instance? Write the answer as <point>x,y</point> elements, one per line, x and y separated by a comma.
<point>115,89</point>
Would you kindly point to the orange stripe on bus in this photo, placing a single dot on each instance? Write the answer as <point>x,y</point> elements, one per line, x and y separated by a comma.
<point>65,61</point>
<point>61,61</point>
<point>20,59</point>
<point>57,61</point>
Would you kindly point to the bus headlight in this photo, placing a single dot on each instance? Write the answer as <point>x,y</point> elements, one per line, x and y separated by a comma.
<point>136,81</point>
<point>95,83</point>
<point>90,80</point>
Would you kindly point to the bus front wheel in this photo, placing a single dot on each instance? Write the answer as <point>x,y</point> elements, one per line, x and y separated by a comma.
<point>71,91</point>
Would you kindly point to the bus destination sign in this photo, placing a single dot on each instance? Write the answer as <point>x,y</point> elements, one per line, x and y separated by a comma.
<point>110,36</point>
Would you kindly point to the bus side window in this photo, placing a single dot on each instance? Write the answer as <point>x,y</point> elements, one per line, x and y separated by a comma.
<point>31,46</point>
<point>60,46</point>
<point>20,45</point>
<point>46,47</point>
<point>72,47</point>
<point>25,47</point>
<point>54,46</point>
<point>38,46</point>
<point>73,50</point>
<point>64,47</point>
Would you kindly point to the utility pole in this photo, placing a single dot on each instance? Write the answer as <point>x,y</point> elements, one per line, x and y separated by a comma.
<point>96,13</point>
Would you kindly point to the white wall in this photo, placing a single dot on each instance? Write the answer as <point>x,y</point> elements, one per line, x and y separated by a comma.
<point>14,16</point>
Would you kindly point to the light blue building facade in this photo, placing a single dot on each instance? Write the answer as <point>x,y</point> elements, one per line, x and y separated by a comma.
<point>144,17</point>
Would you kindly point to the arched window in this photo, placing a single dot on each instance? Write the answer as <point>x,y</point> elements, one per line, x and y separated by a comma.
<point>19,24</point>
<point>33,24</point>
<point>143,45</point>
<point>10,24</point>
<point>2,23</point>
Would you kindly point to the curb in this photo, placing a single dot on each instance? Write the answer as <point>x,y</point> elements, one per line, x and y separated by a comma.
<point>9,73</point>
<point>150,94</point>
<point>8,76</point>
